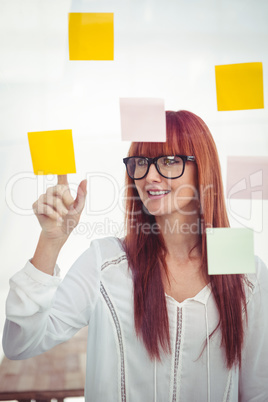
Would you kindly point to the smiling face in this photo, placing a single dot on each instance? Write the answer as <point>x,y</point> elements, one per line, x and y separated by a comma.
<point>185,135</point>
<point>162,196</point>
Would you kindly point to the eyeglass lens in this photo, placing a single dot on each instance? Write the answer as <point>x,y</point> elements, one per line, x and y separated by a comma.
<point>169,166</point>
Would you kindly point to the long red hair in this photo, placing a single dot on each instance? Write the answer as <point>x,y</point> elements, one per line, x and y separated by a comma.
<point>187,134</point>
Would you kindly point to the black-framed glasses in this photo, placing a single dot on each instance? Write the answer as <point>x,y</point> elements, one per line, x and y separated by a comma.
<point>170,167</point>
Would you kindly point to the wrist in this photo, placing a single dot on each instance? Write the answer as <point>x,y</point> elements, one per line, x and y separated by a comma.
<point>47,251</point>
<point>54,242</point>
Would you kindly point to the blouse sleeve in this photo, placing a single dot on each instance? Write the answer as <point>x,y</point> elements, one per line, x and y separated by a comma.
<point>43,311</point>
<point>253,384</point>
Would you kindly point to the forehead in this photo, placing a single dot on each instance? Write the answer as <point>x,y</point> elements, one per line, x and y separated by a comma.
<point>152,149</point>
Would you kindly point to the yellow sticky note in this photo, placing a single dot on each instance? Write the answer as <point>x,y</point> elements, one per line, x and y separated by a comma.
<point>52,152</point>
<point>239,86</point>
<point>91,36</point>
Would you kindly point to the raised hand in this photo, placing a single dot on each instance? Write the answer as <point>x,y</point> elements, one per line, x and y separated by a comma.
<point>57,211</point>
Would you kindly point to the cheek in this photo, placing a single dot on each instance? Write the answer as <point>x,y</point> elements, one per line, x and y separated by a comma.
<point>139,188</point>
<point>186,190</point>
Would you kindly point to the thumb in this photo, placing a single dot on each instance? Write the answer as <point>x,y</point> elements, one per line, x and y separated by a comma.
<point>81,196</point>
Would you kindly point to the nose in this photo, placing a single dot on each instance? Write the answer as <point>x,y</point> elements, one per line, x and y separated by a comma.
<point>153,175</point>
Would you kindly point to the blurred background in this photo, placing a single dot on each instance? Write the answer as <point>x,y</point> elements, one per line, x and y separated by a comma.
<point>164,49</point>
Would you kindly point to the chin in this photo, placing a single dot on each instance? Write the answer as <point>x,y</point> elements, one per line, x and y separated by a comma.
<point>156,210</point>
<point>153,212</point>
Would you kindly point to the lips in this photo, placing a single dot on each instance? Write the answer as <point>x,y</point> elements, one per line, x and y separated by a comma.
<point>158,192</point>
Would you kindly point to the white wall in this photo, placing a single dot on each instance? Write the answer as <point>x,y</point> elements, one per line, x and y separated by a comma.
<point>162,49</point>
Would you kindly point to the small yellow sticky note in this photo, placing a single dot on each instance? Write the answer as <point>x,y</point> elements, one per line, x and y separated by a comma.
<point>52,152</point>
<point>91,36</point>
<point>239,86</point>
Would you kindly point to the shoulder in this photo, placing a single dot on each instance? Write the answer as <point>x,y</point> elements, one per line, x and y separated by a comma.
<point>108,247</point>
<point>100,250</point>
<point>100,254</point>
<point>112,264</point>
<point>107,250</point>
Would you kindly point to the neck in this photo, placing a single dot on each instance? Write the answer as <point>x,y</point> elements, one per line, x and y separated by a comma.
<point>181,233</point>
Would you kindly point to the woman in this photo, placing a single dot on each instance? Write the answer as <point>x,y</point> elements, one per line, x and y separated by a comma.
<point>160,328</point>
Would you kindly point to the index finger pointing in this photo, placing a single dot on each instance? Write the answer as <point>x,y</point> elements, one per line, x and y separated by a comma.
<point>62,179</point>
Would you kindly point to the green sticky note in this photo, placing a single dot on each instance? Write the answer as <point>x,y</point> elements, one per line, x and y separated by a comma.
<point>230,251</point>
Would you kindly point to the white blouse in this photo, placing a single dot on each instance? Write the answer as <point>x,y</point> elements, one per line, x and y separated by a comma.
<point>42,311</point>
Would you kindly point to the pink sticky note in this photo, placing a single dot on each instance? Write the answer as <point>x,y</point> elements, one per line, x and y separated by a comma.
<point>247,177</point>
<point>143,119</point>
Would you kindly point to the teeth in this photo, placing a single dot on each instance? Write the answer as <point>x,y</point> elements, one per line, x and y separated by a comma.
<point>158,192</point>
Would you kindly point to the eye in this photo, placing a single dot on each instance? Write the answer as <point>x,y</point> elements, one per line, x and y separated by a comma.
<point>169,161</point>
<point>141,162</point>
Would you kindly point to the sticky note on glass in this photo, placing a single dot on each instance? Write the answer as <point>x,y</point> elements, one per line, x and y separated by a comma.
<point>239,86</point>
<point>52,152</point>
<point>143,119</point>
<point>91,36</point>
<point>230,251</point>
<point>247,177</point>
